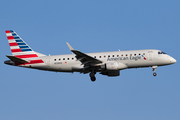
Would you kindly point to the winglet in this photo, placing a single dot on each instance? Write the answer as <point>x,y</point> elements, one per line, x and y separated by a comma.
<point>70,47</point>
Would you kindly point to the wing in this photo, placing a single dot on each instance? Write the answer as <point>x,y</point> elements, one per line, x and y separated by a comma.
<point>84,58</point>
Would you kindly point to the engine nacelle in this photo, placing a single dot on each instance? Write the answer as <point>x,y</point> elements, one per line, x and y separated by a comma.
<point>111,73</point>
<point>113,66</point>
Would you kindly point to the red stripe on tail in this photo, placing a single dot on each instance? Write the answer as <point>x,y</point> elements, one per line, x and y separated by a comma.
<point>31,62</point>
<point>10,37</point>
<point>13,44</point>
<point>16,50</point>
<point>8,31</point>
<point>26,56</point>
<point>35,62</point>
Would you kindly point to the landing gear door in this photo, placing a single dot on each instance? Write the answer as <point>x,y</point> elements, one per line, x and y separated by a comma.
<point>150,55</point>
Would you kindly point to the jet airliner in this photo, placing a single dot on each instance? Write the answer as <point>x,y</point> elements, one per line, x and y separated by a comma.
<point>105,63</point>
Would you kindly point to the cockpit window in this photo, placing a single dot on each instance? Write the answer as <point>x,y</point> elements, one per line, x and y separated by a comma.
<point>160,52</point>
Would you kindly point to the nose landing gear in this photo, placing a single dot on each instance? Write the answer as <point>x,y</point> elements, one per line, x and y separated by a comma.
<point>154,69</point>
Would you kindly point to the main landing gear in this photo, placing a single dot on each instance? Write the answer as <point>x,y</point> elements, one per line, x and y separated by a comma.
<point>154,69</point>
<point>92,75</point>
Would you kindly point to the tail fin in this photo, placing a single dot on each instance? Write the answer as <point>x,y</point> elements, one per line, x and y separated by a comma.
<point>18,47</point>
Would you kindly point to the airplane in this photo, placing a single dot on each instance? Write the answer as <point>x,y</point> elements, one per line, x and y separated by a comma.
<point>106,63</point>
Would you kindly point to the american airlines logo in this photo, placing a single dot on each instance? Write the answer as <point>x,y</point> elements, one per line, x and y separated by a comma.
<point>126,58</point>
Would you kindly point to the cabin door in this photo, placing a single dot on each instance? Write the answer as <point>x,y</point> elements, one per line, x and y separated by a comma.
<point>150,55</point>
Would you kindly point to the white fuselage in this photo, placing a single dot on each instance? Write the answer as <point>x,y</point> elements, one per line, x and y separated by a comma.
<point>106,63</point>
<point>131,59</point>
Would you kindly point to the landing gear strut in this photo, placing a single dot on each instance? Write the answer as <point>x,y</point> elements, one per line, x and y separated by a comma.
<point>154,69</point>
<point>92,75</point>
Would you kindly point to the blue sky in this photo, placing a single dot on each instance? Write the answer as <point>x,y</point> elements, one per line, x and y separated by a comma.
<point>91,26</point>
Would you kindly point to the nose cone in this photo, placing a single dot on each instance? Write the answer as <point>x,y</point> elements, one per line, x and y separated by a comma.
<point>172,60</point>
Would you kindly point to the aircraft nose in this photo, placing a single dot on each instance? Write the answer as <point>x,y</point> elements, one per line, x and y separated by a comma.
<point>172,60</point>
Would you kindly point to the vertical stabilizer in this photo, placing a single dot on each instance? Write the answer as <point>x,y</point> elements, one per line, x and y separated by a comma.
<point>19,47</point>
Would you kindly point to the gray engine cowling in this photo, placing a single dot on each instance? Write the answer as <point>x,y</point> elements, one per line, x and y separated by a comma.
<point>113,66</point>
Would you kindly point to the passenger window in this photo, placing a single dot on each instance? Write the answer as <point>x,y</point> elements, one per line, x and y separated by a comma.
<point>54,59</point>
<point>130,54</point>
<point>59,59</point>
<point>112,55</point>
<point>117,55</point>
<point>99,56</point>
<point>126,54</point>
<point>67,58</point>
<point>122,55</point>
<point>72,58</point>
<point>139,53</point>
<point>143,53</point>
<point>63,58</point>
<point>104,56</point>
<point>108,55</point>
<point>134,54</point>
<point>94,56</point>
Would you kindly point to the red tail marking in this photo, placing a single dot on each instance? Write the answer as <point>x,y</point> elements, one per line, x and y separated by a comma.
<point>13,44</point>
<point>35,61</point>
<point>16,50</point>
<point>26,56</point>
<point>10,37</point>
<point>8,31</point>
<point>31,62</point>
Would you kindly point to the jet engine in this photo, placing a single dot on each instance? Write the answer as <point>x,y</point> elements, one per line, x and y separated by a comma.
<point>113,66</point>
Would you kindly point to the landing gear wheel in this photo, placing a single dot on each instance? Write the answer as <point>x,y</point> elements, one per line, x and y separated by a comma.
<point>154,74</point>
<point>93,79</point>
<point>92,75</point>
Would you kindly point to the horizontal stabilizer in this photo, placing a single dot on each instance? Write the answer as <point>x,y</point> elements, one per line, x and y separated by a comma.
<point>16,59</point>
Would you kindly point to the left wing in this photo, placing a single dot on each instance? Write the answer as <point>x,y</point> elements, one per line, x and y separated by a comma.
<point>84,58</point>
